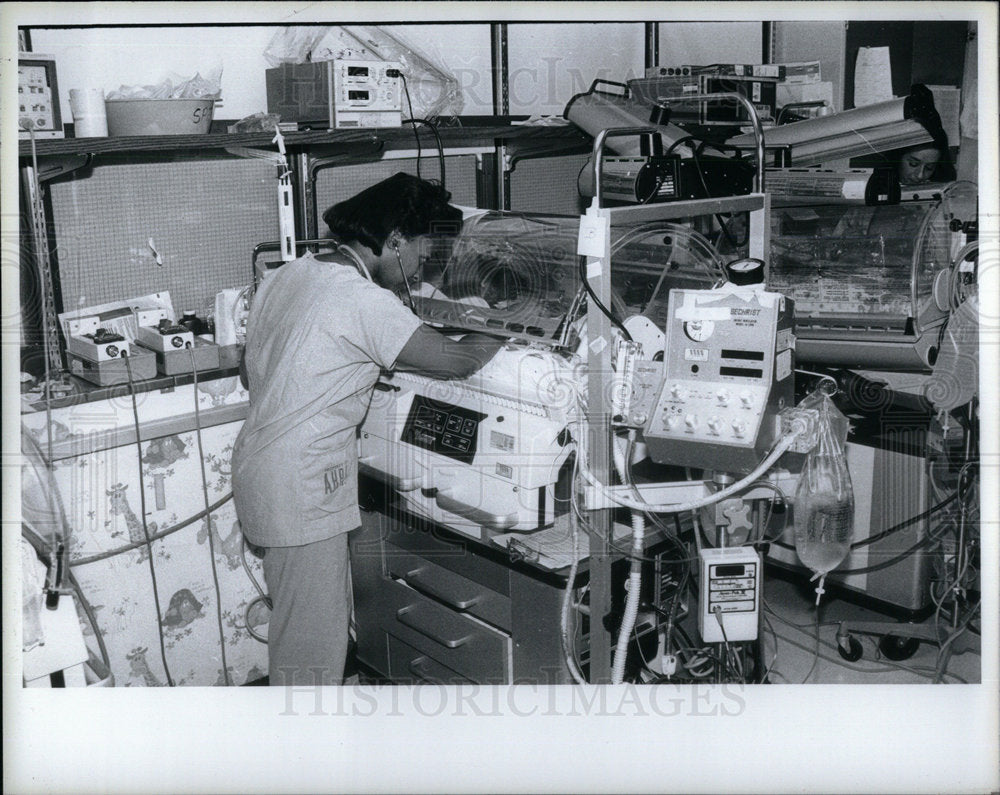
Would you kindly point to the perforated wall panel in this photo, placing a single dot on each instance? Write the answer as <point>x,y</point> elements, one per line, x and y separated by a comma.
<point>203,217</point>
<point>547,185</point>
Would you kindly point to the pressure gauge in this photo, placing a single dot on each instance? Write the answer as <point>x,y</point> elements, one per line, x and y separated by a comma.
<point>699,330</point>
<point>746,271</point>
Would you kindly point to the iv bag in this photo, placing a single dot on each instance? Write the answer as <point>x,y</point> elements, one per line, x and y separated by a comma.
<point>824,499</point>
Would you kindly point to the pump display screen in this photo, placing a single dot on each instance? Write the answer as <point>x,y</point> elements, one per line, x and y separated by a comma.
<point>443,428</point>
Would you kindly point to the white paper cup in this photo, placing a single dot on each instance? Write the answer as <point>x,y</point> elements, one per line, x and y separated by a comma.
<point>89,117</point>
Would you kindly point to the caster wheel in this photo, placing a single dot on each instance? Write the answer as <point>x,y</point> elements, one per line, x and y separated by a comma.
<point>854,650</point>
<point>896,648</point>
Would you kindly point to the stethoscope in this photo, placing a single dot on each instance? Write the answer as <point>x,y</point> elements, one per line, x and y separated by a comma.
<point>359,263</point>
<point>353,255</point>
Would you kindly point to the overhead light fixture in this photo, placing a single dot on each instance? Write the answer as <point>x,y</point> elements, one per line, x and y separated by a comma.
<point>880,127</point>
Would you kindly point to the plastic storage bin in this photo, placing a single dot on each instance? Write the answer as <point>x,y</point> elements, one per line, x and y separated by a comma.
<point>159,116</point>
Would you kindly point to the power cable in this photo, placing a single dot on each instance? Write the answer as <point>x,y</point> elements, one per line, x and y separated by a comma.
<point>208,521</point>
<point>145,527</point>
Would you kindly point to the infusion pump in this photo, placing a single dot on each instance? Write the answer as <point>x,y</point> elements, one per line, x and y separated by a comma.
<point>488,453</point>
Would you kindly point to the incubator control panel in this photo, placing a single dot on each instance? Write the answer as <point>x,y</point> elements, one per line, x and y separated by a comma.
<point>443,428</point>
<point>727,371</point>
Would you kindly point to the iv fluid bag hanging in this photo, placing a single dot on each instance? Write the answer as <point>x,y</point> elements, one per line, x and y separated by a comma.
<point>824,500</point>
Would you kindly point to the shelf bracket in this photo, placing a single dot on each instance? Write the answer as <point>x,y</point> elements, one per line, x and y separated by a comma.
<point>52,166</point>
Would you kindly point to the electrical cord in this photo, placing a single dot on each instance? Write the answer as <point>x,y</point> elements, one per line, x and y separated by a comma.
<point>805,630</point>
<point>929,539</point>
<point>437,139</point>
<point>599,304</point>
<point>905,523</point>
<point>900,526</point>
<point>145,527</point>
<point>566,642</point>
<point>154,537</point>
<point>208,521</point>
<point>944,653</point>
<point>815,662</point>
<point>246,568</point>
<point>416,135</point>
<point>769,668</point>
<point>246,617</point>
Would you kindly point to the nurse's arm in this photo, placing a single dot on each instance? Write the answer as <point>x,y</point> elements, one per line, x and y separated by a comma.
<point>431,353</point>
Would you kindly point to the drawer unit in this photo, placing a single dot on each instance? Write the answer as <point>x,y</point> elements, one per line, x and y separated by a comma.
<point>410,666</point>
<point>458,555</point>
<point>453,590</point>
<point>461,643</point>
<point>431,607</point>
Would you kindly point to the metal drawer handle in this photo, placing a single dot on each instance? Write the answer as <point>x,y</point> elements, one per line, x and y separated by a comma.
<point>417,668</point>
<point>423,585</point>
<point>407,617</point>
<point>393,481</point>
<point>494,521</point>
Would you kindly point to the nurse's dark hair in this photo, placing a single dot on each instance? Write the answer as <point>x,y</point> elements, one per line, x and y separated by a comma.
<point>403,203</point>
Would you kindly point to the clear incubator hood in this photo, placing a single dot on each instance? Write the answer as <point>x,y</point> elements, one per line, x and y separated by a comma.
<point>519,276</point>
<point>871,284</point>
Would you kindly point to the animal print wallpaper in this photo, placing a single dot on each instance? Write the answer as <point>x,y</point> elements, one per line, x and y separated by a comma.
<point>107,492</point>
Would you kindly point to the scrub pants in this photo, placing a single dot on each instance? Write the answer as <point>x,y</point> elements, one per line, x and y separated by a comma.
<point>308,630</point>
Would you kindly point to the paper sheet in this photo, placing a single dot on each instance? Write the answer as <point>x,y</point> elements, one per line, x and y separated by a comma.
<point>872,76</point>
<point>552,548</point>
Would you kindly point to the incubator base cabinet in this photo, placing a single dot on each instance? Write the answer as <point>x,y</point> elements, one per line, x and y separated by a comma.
<point>432,608</point>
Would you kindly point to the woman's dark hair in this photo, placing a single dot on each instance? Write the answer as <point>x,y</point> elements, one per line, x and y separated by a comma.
<point>924,113</point>
<point>402,202</point>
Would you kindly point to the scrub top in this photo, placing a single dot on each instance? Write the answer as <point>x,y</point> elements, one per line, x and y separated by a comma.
<point>317,337</point>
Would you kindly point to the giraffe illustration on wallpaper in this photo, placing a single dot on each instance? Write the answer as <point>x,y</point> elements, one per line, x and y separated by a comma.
<point>231,546</point>
<point>138,669</point>
<point>120,507</point>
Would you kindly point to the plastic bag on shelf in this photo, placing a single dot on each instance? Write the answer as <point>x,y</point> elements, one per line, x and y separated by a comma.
<point>294,44</point>
<point>824,499</point>
<point>175,86</point>
<point>432,91</point>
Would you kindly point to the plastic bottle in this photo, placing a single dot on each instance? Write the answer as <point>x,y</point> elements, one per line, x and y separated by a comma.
<point>191,322</point>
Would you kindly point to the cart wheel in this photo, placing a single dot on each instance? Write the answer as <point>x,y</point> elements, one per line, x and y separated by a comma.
<point>897,648</point>
<point>854,650</point>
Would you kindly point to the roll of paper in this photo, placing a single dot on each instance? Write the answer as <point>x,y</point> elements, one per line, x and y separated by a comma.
<point>89,117</point>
